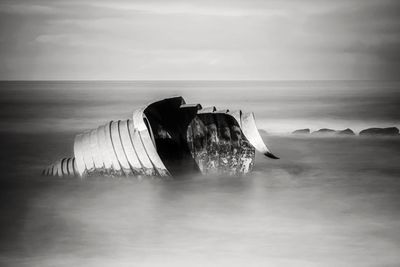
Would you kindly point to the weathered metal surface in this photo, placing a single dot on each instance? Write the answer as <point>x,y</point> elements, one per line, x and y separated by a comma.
<point>224,144</point>
<point>70,166</point>
<point>144,134</point>
<point>62,168</point>
<point>80,164</point>
<point>102,147</point>
<point>236,114</point>
<point>87,154</point>
<point>236,139</point>
<point>95,150</point>
<point>165,136</point>
<point>57,171</point>
<point>197,142</point>
<point>147,166</point>
<point>118,148</point>
<point>115,166</point>
<point>218,145</point>
<point>129,148</point>
<point>250,130</point>
<point>207,110</point>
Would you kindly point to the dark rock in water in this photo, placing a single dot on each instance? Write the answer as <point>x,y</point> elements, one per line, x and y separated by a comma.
<point>390,131</point>
<point>347,131</point>
<point>324,131</point>
<point>302,131</point>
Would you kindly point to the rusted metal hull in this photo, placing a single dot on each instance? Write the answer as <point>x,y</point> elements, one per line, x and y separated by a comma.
<point>164,139</point>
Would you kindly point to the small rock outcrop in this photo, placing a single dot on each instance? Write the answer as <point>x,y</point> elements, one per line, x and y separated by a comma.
<point>324,131</point>
<point>302,131</point>
<point>390,131</point>
<point>347,131</point>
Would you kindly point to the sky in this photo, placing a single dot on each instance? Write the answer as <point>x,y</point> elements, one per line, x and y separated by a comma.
<point>200,40</point>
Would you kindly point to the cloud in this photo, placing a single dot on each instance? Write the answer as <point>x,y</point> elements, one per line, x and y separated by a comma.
<point>25,9</point>
<point>188,9</point>
<point>253,39</point>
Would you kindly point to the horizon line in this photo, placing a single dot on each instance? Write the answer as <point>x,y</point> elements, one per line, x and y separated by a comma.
<point>199,80</point>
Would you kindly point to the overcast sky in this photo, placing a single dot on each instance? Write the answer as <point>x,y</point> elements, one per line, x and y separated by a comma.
<point>190,39</point>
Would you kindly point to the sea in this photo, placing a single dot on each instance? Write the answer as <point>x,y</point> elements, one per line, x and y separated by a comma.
<point>328,200</point>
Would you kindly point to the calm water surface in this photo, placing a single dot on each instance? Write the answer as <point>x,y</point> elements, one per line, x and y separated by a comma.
<point>279,106</point>
<point>326,202</point>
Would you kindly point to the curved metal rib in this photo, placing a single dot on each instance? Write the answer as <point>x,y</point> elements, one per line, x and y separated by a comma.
<point>86,151</point>
<point>101,143</point>
<point>141,153</point>
<point>139,124</point>
<point>59,169</point>
<point>53,171</point>
<point>94,148</point>
<point>118,148</point>
<point>110,148</point>
<point>250,131</point>
<point>64,166</point>
<point>128,147</point>
<point>80,163</point>
<point>236,114</point>
<point>70,166</point>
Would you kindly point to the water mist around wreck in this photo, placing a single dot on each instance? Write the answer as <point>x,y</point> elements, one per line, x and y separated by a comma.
<point>327,201</point>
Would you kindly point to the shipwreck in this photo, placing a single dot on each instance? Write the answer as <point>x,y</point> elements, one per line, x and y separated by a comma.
<point>164,139</point>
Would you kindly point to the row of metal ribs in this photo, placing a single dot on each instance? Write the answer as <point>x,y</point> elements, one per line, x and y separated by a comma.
<point>164,138</point>
<point>117,148</point>
<point>62,168</point>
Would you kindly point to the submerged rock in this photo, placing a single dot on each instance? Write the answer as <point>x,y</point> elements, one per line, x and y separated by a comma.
<point>302,131</point>
<point>390,131</point>
<point>324,131</point>
<point>347,131</point>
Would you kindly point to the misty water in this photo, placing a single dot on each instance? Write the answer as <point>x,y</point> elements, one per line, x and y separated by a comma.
<point>329,201</point>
